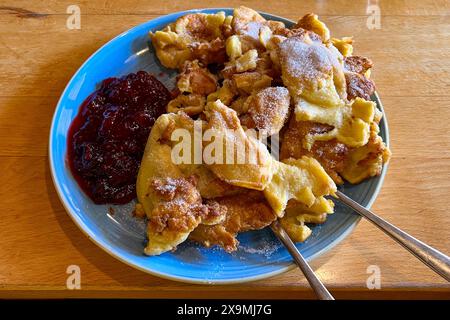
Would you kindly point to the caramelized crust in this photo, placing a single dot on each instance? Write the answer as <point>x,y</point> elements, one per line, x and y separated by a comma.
<point>331,154</point>
<point>215,213</point>
<point>209,52</point>
<point>358,86</point>
<point>246,211</point>
<point>178,210</point>
<point>196,79</point>
<point>197,27</point>
<point>303,34</point>
<point>210,236</point>
<point>357,64</point>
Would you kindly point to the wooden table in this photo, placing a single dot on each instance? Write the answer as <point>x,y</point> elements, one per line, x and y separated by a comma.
<point>39,55</point>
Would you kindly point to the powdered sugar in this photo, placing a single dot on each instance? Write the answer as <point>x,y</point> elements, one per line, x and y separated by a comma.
<point>307,62</point>
<point>266,249</point>
<point>269,109</point>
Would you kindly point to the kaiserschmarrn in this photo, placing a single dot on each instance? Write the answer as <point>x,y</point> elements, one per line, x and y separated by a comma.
<point>249,80</point>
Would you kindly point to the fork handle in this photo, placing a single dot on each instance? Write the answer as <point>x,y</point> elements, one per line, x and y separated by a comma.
<point>433,258</point>
<point>317,285</point>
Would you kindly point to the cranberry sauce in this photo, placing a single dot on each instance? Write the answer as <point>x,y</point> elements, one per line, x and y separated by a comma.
<point>108,136</point>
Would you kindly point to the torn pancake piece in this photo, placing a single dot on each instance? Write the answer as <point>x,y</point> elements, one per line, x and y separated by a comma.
<point>331,154</point>
<point>268,110</point>
<point>312,71</point>
<point>297,215</point>
<point>243,161</point>
<point>246,211</point>
<point>303,180</point>
<point>367,161</point>
<point>169,193</point>
<point>177,210</point>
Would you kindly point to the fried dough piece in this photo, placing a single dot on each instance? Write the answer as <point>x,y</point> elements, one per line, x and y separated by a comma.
<point>312,71</point>
<point>248,82</point>
<point>268,110</point>
<point>245,211</point>
<point>344,45</point>
<point>242,16</point>
<point>266,68</point>
<point>209,185</point>
<point>245,161</point>
<point>366,161</point>
<point>196,79</point>
<point>167,203</point>
<point>157,161</point>
<point>297,214</point>
<point>331,154</point>
<point>339,153</point>
<point>171,49</point>
<point>358,85</point>
<point>303,180</point>
<point>312,23</point>
<point>200,26</point>
<point>357,72</point>
<point>191,104</point>
<point>192,36</point>
<point>204,36</point>
<point>357,64</point>
<point>209,52</point>
<point>226,93</point>
<point>246,62</point>
<point>246,25</point>
<point>350,121</point>
<point>177,210</point>
<point>170,193</point>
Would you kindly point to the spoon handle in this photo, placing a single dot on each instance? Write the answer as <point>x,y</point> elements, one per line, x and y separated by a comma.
<point>433,258</point>
<point>318,287</point>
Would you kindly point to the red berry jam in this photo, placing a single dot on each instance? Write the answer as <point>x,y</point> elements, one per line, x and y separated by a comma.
<point>108,136</point>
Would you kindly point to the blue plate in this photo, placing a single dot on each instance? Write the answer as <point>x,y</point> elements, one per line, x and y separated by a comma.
<point>260,254</point>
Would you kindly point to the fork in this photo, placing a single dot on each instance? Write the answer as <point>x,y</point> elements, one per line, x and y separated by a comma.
<point>434,259</point>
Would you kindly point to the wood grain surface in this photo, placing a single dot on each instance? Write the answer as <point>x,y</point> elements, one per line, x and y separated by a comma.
<point>38,56</point>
